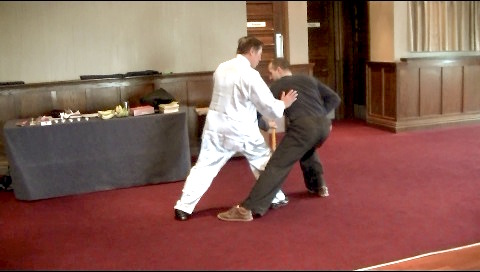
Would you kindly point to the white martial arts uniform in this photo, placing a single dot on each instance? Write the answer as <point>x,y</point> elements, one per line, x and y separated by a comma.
<point>231,126</point>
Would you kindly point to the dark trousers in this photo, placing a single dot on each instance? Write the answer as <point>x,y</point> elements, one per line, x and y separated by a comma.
<point>301,139</point>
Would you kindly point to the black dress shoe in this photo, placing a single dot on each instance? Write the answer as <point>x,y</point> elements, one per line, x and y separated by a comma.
<point>181,215</point>
<point>279,204</point>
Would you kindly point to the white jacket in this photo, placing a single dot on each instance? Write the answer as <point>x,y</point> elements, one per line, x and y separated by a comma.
<point>238,92</point>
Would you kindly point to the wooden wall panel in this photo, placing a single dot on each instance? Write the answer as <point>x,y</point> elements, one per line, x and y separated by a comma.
<point>133,93</point>
<point>69,98</point>
<point>375,91</point>
<point>452,89</point>
<point>7,106</point>
<point>389,92</point>
<point>177,88</point>
<point>409,92</point>
<point>430,91</point>
<point>201,92</point>
<point>33,103</point>
<point>471,99</point>
<point>102,98</point>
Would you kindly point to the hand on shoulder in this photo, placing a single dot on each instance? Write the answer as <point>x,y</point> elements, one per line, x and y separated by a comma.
<point>289,97</point>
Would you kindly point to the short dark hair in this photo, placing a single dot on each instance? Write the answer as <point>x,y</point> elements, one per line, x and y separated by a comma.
<point>280,62</point>
<point>246,43</point>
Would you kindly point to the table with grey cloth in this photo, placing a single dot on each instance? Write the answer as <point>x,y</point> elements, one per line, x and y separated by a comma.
<point>96,155</point>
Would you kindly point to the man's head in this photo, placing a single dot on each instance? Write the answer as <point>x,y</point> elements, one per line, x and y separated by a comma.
<point>251,48</point>
<point>278,68</point>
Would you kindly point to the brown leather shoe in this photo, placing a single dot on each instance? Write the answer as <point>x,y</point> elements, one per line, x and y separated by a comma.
<point>236,213</point>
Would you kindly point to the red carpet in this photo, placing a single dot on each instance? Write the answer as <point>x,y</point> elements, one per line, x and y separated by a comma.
<point>392,196</point>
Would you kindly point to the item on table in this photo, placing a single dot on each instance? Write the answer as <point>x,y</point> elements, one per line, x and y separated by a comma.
<point>142,110</point>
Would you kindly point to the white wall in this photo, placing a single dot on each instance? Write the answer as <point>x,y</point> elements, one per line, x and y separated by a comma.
<point>61,40</point>
<point>400,39</point>
<point>298,32</point>
<point>56,41</point>
<point>381,31</point>
<point>389,33</point>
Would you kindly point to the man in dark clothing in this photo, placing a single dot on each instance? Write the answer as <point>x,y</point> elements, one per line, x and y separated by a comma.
<point>308,127</point>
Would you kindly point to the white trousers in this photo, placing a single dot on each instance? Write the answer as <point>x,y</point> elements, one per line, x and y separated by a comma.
<point>215,151</point>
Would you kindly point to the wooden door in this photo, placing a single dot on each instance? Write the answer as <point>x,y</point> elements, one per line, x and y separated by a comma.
<point>321,44</point>
<point>265,19</point>
<point>338,46</point>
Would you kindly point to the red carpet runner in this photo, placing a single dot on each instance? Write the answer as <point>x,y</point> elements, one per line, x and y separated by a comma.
<point>392,196</point>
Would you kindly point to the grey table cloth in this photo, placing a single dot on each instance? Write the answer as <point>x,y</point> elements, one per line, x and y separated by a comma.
<point>95,155</point>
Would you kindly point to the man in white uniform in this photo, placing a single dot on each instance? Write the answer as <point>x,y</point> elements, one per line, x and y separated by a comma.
<point>231,123</point>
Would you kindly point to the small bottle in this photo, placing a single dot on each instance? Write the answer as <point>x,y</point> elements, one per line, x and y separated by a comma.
<point>126,107</point>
